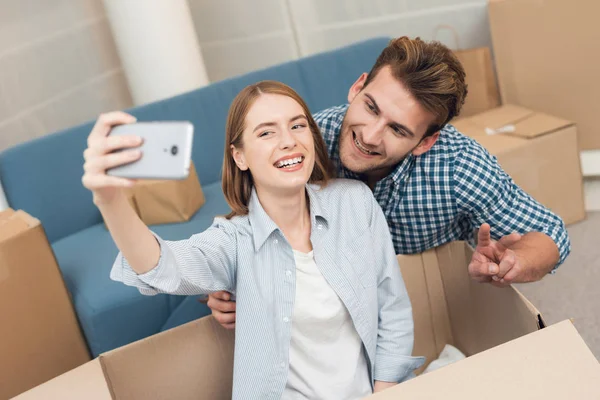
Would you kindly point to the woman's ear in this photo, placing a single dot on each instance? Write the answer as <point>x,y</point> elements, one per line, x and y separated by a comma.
<point>238,157</point>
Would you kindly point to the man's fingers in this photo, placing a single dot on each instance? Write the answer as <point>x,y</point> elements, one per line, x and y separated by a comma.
<point>482,271</point>
<point>224,318</point>
<point>222,295</point>
<point>506,264</point>
<point>217,302</point>
<point>513,274</point>
<point>509,240</point>
<point>483,236</point>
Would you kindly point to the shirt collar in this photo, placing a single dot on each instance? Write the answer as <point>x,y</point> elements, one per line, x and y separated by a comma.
<point>263,226</point>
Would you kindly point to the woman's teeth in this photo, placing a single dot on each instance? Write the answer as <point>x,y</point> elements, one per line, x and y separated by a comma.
<point>289,162</point>
<point>361,147</point>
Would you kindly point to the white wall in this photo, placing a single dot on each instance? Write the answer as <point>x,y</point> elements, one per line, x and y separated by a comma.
<point>238,36</point>
<point>58,67</point>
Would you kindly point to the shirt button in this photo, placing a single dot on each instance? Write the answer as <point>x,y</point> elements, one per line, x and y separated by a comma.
<point>319,226</point>
<point>288,272</point>
<point>286,319</point>
<point>282,365</point>
<point>275,241</point>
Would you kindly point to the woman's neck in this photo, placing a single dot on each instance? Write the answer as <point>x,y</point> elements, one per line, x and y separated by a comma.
<point>291,214</point>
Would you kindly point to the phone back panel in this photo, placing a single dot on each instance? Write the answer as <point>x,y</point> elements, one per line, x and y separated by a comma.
<point>166,150</point>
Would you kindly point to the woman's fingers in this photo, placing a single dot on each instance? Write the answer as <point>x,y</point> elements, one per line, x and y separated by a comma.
<point>97,181</point>
<point>105,122</point>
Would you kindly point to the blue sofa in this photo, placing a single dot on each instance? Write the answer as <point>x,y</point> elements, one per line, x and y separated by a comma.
<point>43,177</point>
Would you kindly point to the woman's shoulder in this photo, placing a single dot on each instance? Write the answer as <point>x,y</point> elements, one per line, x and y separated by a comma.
<point>343,191</point>
<point>341,186</point>
<point>238,224</point>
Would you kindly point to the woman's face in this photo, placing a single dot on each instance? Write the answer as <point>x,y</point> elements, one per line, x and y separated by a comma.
<point>277,144</point>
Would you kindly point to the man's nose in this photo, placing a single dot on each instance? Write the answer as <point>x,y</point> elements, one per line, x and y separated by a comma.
<point>372,133</point>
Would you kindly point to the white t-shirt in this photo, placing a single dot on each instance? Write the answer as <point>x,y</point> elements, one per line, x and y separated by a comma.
<point>327,359</point>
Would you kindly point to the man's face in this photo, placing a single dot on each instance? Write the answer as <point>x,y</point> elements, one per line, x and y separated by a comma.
<point>383,124</point>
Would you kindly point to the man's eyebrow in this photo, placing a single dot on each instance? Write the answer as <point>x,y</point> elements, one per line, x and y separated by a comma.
<point>393,124</point>
<point>403,128</point>
<point>375,106</point>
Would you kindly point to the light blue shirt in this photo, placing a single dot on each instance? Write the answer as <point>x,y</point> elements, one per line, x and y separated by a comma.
<point>250,257</point>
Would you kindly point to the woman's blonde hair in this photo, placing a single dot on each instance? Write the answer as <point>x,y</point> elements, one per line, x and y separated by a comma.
<point>237,184</point>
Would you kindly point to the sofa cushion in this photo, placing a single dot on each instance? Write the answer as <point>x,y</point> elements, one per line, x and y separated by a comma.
<point>110,313</point>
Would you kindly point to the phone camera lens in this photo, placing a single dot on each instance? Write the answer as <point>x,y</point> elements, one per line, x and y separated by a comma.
<point>174,150</point>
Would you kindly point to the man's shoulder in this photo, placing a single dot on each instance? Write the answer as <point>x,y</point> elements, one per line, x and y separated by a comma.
<point>455,146</point>
<point>331,117</point>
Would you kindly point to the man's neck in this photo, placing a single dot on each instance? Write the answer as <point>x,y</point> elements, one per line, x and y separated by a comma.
<point>371,178</point>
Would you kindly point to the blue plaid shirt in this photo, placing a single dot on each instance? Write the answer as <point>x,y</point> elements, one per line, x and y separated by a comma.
<point>448,192</point>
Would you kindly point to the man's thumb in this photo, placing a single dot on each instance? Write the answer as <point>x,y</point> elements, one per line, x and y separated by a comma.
<point>509,240</point>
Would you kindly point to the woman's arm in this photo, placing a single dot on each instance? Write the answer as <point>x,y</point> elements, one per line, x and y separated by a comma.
<point>395,336</point>
<point>204,263</point>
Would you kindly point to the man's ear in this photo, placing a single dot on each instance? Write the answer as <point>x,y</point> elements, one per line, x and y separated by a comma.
<point>238,157</point>
<point>357,87</point>
<point>426,144</point>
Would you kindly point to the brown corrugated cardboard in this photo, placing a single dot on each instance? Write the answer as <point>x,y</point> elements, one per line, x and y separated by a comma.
<point>481,81</point>
<point>553,363</point>
<point>539,151</point>
<point>167,201</point>
<point>546,55</point>
<point>39,333</point>
<point>509,357</point>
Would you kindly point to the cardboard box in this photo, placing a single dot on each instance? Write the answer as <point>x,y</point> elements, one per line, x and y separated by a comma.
<point>509,356</point>
<point>167,201</point>
<point>40,336</point>
<point>538,151</point>
<point>547,58</point>
<point>481,81</point>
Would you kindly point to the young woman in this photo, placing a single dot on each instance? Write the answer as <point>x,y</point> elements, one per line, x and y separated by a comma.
<point>322,310</point>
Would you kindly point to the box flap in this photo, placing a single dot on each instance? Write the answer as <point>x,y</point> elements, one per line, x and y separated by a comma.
<point>468,127</point>
<point>553,363</point>
<point>511,120</point>
<point>482,315</point>
<point>539,124</point>
<point>191,361</point>
<point>14,222</point>
<point>84,382</point>
<point>500,144</point>
<point>501,116</point>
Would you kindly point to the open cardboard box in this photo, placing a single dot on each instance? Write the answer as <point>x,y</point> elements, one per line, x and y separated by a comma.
<point>40,336</point>
<point>539,151</point>
<point>510,356</point>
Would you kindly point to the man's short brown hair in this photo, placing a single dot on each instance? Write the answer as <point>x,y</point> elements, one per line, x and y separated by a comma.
<point>430,72</point>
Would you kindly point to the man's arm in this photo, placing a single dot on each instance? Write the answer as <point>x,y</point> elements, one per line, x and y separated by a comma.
<point>526,240</point>
<point>512,259</point>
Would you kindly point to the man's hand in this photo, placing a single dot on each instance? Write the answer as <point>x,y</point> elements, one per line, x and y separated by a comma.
<point>494,261</point>
<point>381,385</point>
<point>223,309</point>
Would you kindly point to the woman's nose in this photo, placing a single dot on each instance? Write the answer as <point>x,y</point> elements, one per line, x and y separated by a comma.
<point>288,141</point>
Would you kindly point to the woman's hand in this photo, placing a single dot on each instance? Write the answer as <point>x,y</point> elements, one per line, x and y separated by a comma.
<point>99,157</point>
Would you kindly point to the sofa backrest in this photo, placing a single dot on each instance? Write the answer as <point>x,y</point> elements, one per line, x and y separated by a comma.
<point>43,176</point>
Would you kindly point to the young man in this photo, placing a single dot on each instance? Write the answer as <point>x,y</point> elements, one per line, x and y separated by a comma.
<point>434,184</point>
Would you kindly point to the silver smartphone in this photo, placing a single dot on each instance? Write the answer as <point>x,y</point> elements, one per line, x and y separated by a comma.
<point>166,150</point>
